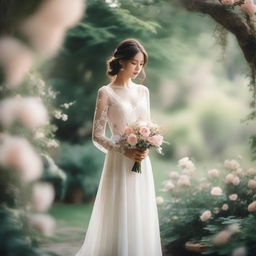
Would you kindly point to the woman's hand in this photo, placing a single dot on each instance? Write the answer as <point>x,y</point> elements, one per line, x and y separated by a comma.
<point>136,154</point>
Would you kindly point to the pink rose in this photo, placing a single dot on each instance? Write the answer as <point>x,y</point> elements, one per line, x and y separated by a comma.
<point>144,131</point>
<point>128,131</point>
<point>132,139</point>
<point>156,140</point>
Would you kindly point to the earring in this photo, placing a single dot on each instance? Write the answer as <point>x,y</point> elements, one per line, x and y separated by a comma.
<point>122,69</point>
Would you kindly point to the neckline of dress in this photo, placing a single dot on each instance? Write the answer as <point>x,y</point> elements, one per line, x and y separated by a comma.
<point>121,87</point>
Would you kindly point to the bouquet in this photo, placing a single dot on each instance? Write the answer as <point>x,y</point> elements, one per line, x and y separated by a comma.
<point>142,135</point>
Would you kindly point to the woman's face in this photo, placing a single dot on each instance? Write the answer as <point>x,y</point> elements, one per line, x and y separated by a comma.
<point>133,66</point>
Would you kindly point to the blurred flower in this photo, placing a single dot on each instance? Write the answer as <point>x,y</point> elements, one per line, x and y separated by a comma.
<point>222,237</point>
<point>206,215</point>
<point>252,207</point>
<point>233,197</point>
<point>251,171</point>
<point>174,175</point>
<point>228,2</point>
<point>248,7</point>
<point>43,223</point>
<point>240,251</point>
<point>252,184</point>
<point>232,179</point>
<point>39,135</point>
<point>186,163</point>
<point>144,131</point>
<point>224,207</point>
<point>233,228</point>
<point>28,110</point>
<point>42,196</point>
<point>231,164</point>
<point>216,191</point>
<point>57,114</point>
<point>64,117</point>
<point>216,210</point>
<point>214,173</point>
<point>159,200</point>
<point>168,185</point>
<point>45,29</point>
<point>15,59</point>
<point>17,153</point>
<point>184,181</point>
<point>52,144</point>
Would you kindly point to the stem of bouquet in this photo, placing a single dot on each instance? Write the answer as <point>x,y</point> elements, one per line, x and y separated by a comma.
<point>136,167</point>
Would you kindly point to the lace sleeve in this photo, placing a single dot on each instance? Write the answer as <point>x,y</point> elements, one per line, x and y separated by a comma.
<point>99,124</point>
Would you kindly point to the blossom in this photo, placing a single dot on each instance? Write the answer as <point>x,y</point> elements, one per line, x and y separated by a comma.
<point>252,207</point>
<point>28,110</point>
<point>231,164</point>
<point>232,179</point>
<point>159,200</point>
<point>45,29</point>
<point>225,207</point>
<point>184,181</point>
<point>206,215</point>
<point>228,2</point>
<point>168,186</point>
<point>233,197</point>
<point>239,251</point>
<point>216,191</point>
<point>144,131</point>
<point>222,237</point>
<point>132,139</point>
<point>64,117</point>
<point>43,223</point>
<point>15,60</point>
<point>155,140</point>
<point>251,171</point>
<point>248,7</point>
<point>252,184</point>
<point>185,163</point>
<point>174,175</point>
<point>52,144</point>
<point>214,173</point>
<point>16,152</point>
<point>42,196</point>
<point>128,130</point>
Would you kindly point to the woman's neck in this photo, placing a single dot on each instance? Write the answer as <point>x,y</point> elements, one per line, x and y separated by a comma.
<point>121,81</point>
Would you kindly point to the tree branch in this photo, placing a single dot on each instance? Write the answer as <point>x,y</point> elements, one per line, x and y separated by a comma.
<point>230,21</point>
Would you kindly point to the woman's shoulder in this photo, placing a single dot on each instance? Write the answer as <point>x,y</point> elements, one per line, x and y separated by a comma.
<point>142,86</point>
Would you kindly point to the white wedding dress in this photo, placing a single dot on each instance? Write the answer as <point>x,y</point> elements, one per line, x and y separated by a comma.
<point>124,220</point>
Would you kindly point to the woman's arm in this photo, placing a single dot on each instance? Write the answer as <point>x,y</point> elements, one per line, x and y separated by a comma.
<point>99,124</point>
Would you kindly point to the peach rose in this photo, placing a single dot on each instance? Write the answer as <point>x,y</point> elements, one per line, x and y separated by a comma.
<point>248,7</point>
<point>206,215</point>
<point>144,131</point>
<point>132,139</point>
<point>252,207</point>
<point>155,140</point>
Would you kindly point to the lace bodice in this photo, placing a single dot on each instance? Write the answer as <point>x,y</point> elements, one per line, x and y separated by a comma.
<point>118,106</point>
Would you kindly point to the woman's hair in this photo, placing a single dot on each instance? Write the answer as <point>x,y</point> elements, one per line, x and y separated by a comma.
<point>126,50</point>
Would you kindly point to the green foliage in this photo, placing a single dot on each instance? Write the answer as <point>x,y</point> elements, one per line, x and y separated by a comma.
<point>82,165</point>
<point>182,210</point>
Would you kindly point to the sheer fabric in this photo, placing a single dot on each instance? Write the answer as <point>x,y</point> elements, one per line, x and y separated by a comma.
<point>124,220</point>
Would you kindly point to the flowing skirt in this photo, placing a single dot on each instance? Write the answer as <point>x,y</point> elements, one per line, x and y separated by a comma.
<point>124,220</point>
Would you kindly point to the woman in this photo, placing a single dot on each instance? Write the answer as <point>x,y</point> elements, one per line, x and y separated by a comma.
<point>124,220</point>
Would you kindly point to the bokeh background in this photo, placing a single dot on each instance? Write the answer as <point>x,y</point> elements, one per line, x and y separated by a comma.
<point>198,81</point>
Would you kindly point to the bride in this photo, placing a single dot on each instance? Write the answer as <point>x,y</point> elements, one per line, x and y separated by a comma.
<point>124,220</point>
